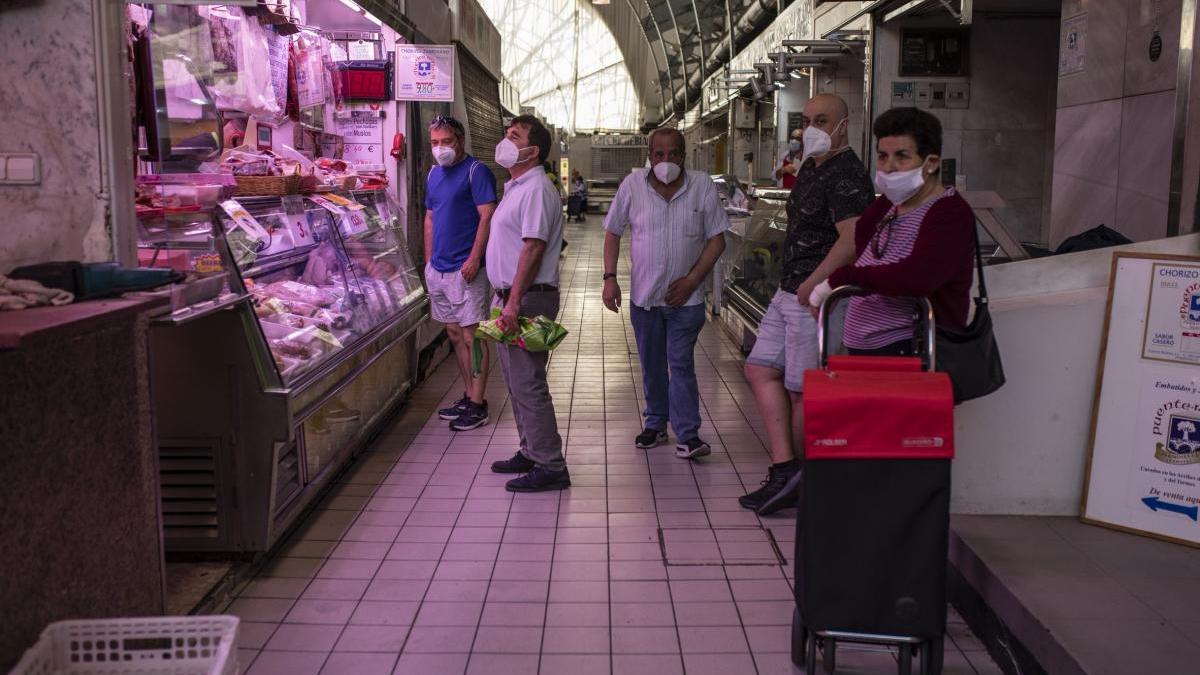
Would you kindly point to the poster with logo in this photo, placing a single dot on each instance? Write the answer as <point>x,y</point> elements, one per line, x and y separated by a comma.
<point>1173,314</point>
<point>1144,468</point>
<point>425,72</point>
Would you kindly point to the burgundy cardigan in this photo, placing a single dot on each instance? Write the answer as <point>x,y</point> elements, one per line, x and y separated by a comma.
<point>941,266</point>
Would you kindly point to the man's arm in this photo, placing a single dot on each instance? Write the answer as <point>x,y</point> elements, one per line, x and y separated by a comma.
<point>840,255</point>
<point>612,290</point>
<point>428,235</point>
<point>471,266</point>
<point>528,265</point>
<point>682,288</point>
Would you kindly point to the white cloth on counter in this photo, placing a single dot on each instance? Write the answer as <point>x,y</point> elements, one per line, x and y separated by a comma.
<point>26,293</point>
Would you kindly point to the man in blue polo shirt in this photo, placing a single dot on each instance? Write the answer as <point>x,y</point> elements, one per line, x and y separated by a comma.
<point>460,197</point>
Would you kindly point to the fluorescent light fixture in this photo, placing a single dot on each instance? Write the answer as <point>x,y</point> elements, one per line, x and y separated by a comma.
<point>353,7</point>
<point>599,2</point>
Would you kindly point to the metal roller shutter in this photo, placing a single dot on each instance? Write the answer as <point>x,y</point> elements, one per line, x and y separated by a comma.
<point>481,92</point>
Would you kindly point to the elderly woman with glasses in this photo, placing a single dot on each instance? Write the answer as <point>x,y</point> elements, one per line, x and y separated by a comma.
<point>916,240</point>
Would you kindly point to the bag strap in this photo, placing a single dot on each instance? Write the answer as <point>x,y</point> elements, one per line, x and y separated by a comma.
<point>982,298</point>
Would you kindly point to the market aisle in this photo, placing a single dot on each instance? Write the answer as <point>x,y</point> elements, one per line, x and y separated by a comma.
<point>419,562</point>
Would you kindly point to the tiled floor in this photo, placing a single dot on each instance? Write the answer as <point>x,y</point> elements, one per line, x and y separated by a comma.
<point>420,563</point>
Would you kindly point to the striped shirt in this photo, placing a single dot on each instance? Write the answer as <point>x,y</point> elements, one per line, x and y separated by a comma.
<point>875,321</point>
<point>668,236</point>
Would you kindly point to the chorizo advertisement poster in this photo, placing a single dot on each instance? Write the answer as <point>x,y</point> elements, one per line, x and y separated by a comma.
<point>425,72</point>
<point>1144,469</point>
<point>1173,314</point>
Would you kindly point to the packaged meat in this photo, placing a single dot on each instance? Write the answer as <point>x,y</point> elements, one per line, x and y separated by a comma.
<point>290,291</point>
<point>292,348</point>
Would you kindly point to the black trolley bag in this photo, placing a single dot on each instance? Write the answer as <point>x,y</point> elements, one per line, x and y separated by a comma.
<point>874,508</point>
<point>574,206</point>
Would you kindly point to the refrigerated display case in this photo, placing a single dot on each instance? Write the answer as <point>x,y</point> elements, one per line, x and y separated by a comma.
<point>751,267</point>
<point>260,403</point>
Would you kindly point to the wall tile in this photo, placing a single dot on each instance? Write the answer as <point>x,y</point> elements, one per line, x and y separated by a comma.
<point>1142,75</point>
<point>1078,205</point>
<point>1140,217</point>
<point>1087,141</point>
<point>1147,127</point>
<point>1103,76</point>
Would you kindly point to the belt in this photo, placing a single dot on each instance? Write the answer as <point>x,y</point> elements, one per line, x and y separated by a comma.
<point>503,293</point>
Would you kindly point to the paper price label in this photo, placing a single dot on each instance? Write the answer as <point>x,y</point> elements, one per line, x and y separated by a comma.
<point>243,220</point>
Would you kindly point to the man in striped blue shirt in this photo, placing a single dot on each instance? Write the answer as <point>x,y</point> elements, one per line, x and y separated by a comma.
<point>677,226</point>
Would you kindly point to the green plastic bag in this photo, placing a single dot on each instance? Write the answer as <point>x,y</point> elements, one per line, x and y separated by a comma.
<point>539,334</point>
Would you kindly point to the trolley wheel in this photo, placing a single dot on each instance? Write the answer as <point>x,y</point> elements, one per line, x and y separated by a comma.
<point>906,654</point>
<point>810,662</point>
<point>800,638</point>
<point>932,655</point>
<point>830,656</point>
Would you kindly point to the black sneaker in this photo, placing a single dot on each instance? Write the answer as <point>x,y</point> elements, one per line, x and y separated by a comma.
<point>779,491</point>
<point>650,438</point>
<point>459,407</point>
<point>518,463</point>
<point>540,480</point>
<point>474,417</point>
<point>692,449</point>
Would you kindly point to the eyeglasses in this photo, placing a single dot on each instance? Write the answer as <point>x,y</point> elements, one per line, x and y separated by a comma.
<point>878,243</point>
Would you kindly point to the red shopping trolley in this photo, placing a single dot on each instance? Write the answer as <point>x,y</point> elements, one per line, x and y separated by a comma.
<point>873,522</point>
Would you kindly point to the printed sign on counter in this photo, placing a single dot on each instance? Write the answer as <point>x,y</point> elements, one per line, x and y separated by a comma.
<point>297,220</point>
<point>350,215</point>
<point>425,72</point>
<point>1173,316</point>
<point>1144,468</point>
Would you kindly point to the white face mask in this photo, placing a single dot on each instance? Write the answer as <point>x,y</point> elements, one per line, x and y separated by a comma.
<point>817,142</point>
<point>666,172</point>
<point>900,186</point>
<point>508,154</point>
<point>444,155</point>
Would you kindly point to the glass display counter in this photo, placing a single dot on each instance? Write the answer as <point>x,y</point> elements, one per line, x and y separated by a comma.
<point>261,403</point>
<point>751,267</point>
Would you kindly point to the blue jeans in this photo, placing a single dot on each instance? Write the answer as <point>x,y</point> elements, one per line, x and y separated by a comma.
<point>666,340</point>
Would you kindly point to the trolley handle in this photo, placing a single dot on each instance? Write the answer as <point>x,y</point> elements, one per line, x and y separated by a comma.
<point>826,310</point>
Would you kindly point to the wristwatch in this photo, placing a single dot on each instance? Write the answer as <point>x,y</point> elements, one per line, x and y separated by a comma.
<point>609,275</point>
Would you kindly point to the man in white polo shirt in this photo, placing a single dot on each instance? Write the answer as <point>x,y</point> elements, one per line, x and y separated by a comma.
<point>678,226</point>
<point>522,255</point>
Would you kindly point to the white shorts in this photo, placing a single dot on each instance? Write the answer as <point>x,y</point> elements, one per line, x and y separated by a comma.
<point>453,300</point>
<point>787,339</point>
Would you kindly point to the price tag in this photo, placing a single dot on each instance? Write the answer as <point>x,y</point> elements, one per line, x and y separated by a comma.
<point>354,222</point>
<point>297,220</point>
<point>243,220</point>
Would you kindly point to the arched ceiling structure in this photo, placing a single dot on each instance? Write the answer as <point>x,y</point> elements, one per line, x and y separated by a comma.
<point>671,46</point>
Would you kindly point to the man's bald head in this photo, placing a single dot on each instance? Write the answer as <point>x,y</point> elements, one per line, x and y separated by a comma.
<point>829,113</point>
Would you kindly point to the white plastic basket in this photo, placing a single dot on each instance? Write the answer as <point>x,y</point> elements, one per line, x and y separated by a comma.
<point>168,645</point>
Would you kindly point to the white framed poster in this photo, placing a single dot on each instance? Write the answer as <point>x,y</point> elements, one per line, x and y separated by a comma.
<point>361,128</point>
<point>1143,472</point>
<point>425,72</point>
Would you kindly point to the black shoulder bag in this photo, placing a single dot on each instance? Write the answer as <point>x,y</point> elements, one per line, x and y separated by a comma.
<point>970,356</point>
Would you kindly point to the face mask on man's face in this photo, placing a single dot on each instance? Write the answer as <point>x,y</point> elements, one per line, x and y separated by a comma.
<point>817,142</point>
<point>444,155</point>
<point>666,172</point>
<point>508,154</point>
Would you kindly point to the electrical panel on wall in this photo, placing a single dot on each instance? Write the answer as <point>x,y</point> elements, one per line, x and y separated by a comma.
<point>744,116</point>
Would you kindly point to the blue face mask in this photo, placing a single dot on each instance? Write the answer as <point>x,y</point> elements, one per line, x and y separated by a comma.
<point>795,145</point>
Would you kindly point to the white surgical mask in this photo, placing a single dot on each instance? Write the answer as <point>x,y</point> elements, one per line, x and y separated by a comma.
<point>900,186</point>
<point>508,154</point>
<point>795,145</point>
<point>817,142</point>
<point>444,155</point>
<point>666,172</point>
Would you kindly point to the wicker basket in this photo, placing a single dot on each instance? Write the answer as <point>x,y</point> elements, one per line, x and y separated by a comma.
<point>267,185</point>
